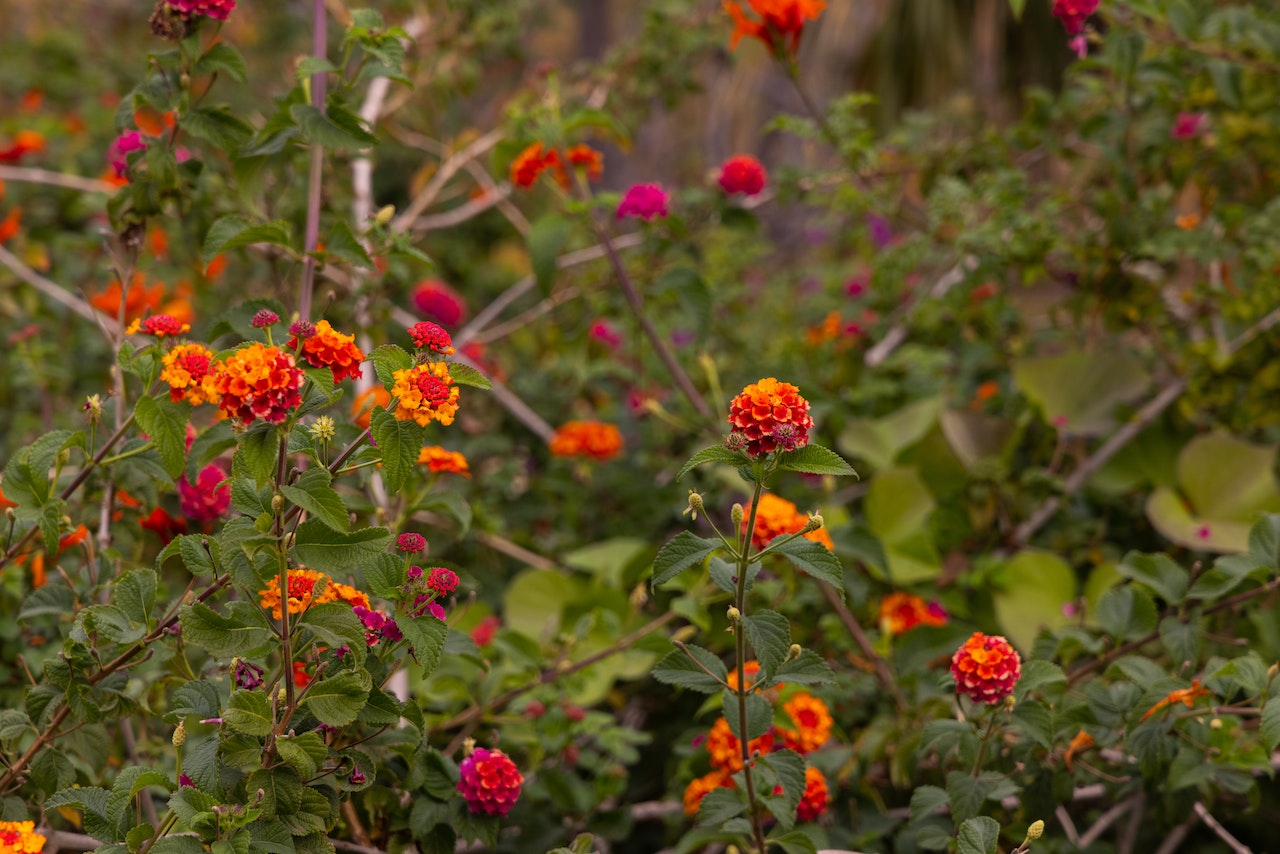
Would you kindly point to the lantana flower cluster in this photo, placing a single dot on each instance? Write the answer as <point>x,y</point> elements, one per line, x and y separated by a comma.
<point>326,347</point>
<point>769,415</point>
<point>986,668</point>
<point>425,393</point>
<point>901,612</point>
<point>536,159</point>
<point>594,440</point>
<point>439,460</point>
<point>301,594</point>
<point>779,23</point>
<point>489,782</point>
<point>20,837</point>
<point>810,730</point>
<point>423,587</point>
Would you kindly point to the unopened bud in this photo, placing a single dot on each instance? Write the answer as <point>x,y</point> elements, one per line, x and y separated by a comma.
<point>277,503</point>
<point>639,595</point>
<point>1272,671</point>
<point>180,734</point>
<point>1216,723</point>
<point>794,652</point>
<point>9,514</point>
<point>1036,830</point>
<point>281,695</point>
<point>734,614</point>
<point>468,746</point>
<point>737,514</point>
<point>684,633</point>
<point>1009,702</point>
<point>816,520</point>
<point>64,457</point>
<point>385,214</point>
<point>695,505</point>
<point>93,407</point>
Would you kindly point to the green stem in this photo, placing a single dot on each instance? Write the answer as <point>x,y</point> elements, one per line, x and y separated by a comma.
<point>126,454</point>
<point>286,651</point>
<point>992,721</point>
<point>740,645</point>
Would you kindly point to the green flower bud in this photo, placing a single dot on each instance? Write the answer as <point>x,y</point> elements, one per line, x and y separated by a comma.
<point>737,514</point>
<point>180,734</point>
<point>734,614</point>
<point>695,505</point>
<point>1036,830</point>
<point>385,214</point>
<point>277,503</point>
<point>794,652</point>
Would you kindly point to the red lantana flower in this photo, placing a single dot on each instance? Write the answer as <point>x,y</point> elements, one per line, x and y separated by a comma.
<point>771,415</point>
<point>742,175</point>
<point>329,348</point>
<point>780,22</point>
<point>986,668</point>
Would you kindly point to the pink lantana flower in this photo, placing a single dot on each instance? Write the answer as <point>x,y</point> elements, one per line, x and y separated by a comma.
<point>645,201</point>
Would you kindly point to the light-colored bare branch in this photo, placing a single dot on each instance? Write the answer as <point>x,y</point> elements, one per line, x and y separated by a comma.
<point>34,175</point>
<point>1222,833</point>
<point>55,292</point>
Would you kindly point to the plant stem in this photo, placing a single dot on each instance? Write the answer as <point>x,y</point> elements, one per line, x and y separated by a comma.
<point>740,648</point>
<point>319,42</point>
<point>982,745</point>
<point>286,651</point>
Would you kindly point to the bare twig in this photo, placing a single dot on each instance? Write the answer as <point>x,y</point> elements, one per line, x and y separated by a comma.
<point>883,674</point>
<point>315,175</point>
<point>448,168</point>
<point>1105,820</point>
<point>54,291</point>
<point>1173,841</point>
<point>1213,824</point>
<point>33,175</point>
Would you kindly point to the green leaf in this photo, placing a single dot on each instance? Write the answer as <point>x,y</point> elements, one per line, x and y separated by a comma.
<point>979,836</point>
<point>808,669</point>
<point>769,634</point>
<point>304,753</point>
<point>217,125</point>
<point>321,548</point>
<point>92,803</point>
<point>1038,675</point>
<point>257,454</point>
<point>388,359</point>
<point>199,699</point>
<point>50,599</point>
<point>1039,582</point>
<point>1159,572</point>
<point>966,793</point>
<point>107,623</point>
<point>207,445</point>
<point>676,668</point>
<point>546,238</point>
<point>880,441</point>
<point>310,65</point>
<point>131,780</point>
<point>1228,573</point>
<point>13,724</point>
<point>165,421</point>
<point>270,838</point>
<point>334,625</point>
<point>281,791</point>
<point>926,801</point>
<point>26,475</point>
<point>222,637</point>
<point>384,576</point>
<point>400,443</point>
<point>1084,389</point>
<point>469,376</point>
<point>426,635</point>
<point>1269,727</point>
<point>338,700</point>
<point>221,57</point>
<point>233,232</point>
<point>944,736</point>
<point>1126,613</point>
<point>1264,540</point>
<point>759,715</point>
<point>794,842</point>
<point>714,454</point>
<point>249,712</point>
<point>720,805</point>
<point>313,493</point>
<point>787,769</point>
<point>338,129</point>
<point>343,244</point>
<point>815,459</point>
<point>813,559</point>
<point>135,593</point>
<point>681,552</point>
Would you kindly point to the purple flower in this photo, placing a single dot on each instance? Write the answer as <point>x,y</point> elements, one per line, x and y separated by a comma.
<point>185,782</point>
<point>1187,125</point>
<point>246,674</point>
<point>604,332</point>
<point>644,201</point>
<point>357,777</point>
<point>436,611</point>
<point>411,543</point>
<point>125,143</point>
<point>263,318</point>
<point>881,232</point>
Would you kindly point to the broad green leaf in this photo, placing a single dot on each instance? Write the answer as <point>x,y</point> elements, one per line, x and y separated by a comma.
<point>221,57</point>
<point>1039,584</point>
<point>343,244</point>
<point>815,560</point>
<point>14,723</point>
<point>26,475</point>
<point>609,559</point>
<point>337,701</point>
<point>683,551</point>
<point>1228,573</point>
<point>270,837</point>
<point>131,780</point>
<point>313,493</point>
<point>928,800</point>
<point>786,767</point>
<point>1126,613</point>
<point>975,436</point>
<point>815,459</point>
<point>384,576</point>
<point>207,445</point>
<point>546,238</point>
<point>222,637</point>
<point>714,454</point>
<point>1159,572</point>
<point>1079,391</point>
<point>249,712</point>
<point>165,421</point>
<point>304,752</point>
<point>388,359</point>
<point>469,376</point>
<point>426,635</point>
<point>880,441</point>
<point>898,505</point>
<point>534,601</point>
<point>1226,478</point>
<point>335,625</point>
<point>49,599</point>
<point>233,232</point>
<point>759,715</point>
<point>979,836</point>
<point>281,790</point>
<point>92,803</point>
<point>720,805</point>
<point>135,593</point>
<point>258,453</point>
<point>200,699</point>
<point>219,126</point>
<point>676,668</point>
<point>337,129</point>
<point>319,547</point>
<point>399,442</point>
<point>769,634</point>
<point>1264,540</point>
<point>1269,728</point>
<point>808,669</point>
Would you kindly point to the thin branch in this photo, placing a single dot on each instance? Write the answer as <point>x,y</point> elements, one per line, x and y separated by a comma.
<point>315,174</point>
<point>33,175</point>
<point>1173,841</point>
<point>898,332</point>
<point>1105,820</point>
<point>883,674</point>
<point>448,168</point>
<point>1213,824</point>
<point>54,291</point>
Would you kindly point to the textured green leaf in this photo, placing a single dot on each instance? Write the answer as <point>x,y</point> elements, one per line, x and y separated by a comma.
<point>388,359</point>
<point>399,442</point>
<point>681,552</point>
<point>233,232</point>
<point>468,376</point>
<point>304,752</point>
<point>786,768</point>
<point>200,699</point>
<point>257,454</point>
<point>321,548</point>
<point>815,459</point>
<point>676,668</point>
<point>165,421</point>
<point>337,129</point>
<point>808,669</point>
<point>1159,572</point>
<point>343,244</point>
<point>1126,613</point>
<point>759,715</point>
<point>1269,728</point>
<point>131,780</point>
<point>426,635</point>
<point>248,712</point>
<point>546,238</point>
<point>927,800</point>
<point>221,57</point>
<point>92,803</point>
<point>222,637</point>
<point>335,625</point>
<point>135,593</point>
<point>814,559</point>
<point>26,475</point>
<point>217,125</point>
<point>337,701</point>
<point>14,723</point>
<point>794,842</point>
<point>714,454</point>
<point>313,493</point>
<point>769,634</point>
<point>281,791</point>
<point>979,836</point>
<point>720,805</point>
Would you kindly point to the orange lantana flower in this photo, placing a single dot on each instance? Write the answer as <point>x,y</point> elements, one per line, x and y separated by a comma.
<point>302,585</point>
<point>780,24</point>
<point>1186,696</point>
<point>532,162</point>
<point>593,439</point>
<point>20,837</point>
<point>777,516</point>
<point>138,299</point>
<point>588,158</point>
<point>901,612</point>
<point>768,415</point>
<point>726,750</point>
<point>813,723</point>
<point>437,459</point>
<point>699,788</point>
<point>364,404</point>
<point>329,348</point>
<point>425,393</point>
<point>1082,742</point>
<point>11,223</point>
<point>188,369</point>
<point>258,381</point>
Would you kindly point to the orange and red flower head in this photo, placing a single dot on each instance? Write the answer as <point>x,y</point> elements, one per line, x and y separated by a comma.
<point>326,347</point>
<point>780,21</point>
<point>816,795</point>
<point>439,460</point>
<point>777,516</point>
<point>770,415</point>
<point>425,393</point>
<point>258,381</point>
<point>592,439</point>
<point>20,837</point>
<point>702,786</point>
<point>812,721</point>
<point>986,668</point>
<point>726,750</point>
<point>188,369</point>
<point>901,612</point>
<point>159,325</point>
